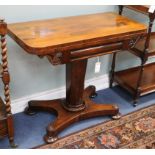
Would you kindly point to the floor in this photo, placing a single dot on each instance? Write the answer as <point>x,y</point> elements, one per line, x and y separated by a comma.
<point>29,130</point>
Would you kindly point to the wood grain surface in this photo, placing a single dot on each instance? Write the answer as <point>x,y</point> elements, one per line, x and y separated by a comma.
<point>44,35</point>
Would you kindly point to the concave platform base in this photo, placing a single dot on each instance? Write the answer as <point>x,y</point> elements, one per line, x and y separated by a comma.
<point>66,118</point>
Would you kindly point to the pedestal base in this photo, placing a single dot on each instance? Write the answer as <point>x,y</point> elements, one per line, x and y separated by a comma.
<point>65,118</point>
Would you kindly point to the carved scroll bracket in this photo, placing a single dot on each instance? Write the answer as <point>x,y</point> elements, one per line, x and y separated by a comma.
<point>133,42</point>
<point>55,58</point>
<point>59,57</point>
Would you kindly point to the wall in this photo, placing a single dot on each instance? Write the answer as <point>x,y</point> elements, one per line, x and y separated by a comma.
<point>30,74</point>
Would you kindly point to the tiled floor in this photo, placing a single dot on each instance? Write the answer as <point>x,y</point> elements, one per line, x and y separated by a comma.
<point>29,130</point>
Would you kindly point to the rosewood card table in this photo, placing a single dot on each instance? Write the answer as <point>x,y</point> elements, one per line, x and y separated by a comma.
<point>71,41</point>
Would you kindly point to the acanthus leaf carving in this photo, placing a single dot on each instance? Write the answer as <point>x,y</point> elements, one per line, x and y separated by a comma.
<point>55,58</point>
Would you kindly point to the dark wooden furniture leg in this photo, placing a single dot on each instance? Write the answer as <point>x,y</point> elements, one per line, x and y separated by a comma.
<point>112,72</point>
<point>120,9</point>
<point>77,105</point>
<point>137,92</point>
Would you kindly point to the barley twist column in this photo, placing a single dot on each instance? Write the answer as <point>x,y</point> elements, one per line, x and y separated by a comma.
<point>6,81</point>
<point>5,74</point>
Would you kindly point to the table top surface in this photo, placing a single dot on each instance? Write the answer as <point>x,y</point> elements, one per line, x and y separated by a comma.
<point>47,34</point>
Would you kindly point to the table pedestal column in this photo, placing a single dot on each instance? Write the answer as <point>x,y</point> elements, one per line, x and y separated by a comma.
<point>77,105</point>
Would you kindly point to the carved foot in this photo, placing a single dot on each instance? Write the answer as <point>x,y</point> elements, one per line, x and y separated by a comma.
<point>93,95</point>
<point>51,139</point>
<point>117,116</point>
<point>13,145</point>
<point>92,91</point>
<point>51,134</point>
<point>135,103</point>
<point>29,111</point>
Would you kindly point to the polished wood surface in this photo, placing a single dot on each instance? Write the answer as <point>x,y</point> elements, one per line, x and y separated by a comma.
<point>140,8</point>
<point>66,118</point>
<point>71,41</point>
<point>128,79</point>
<point>76,106</point>
<point>50,34</point>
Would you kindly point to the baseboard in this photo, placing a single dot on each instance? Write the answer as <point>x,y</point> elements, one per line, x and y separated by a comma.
<point>18,105</point>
